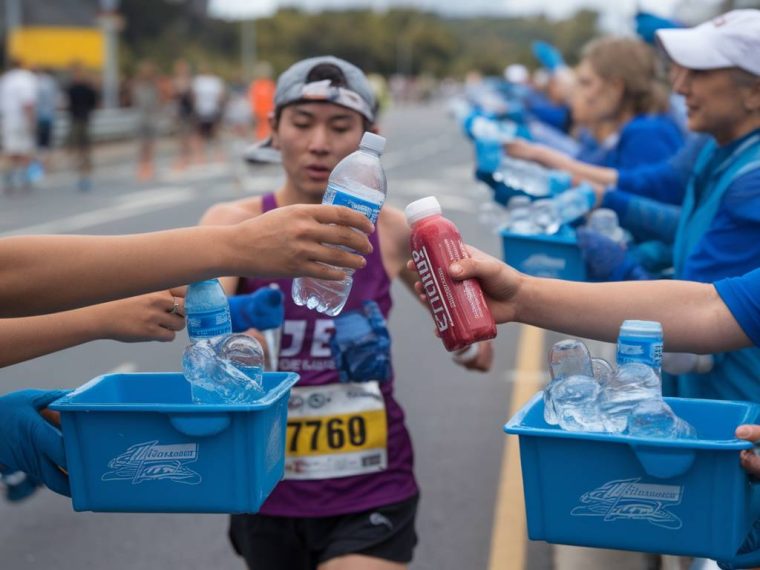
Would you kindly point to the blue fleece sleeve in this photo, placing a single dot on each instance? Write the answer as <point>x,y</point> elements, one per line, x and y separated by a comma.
<point>742,297</point>
<point>666,180</point>
<point>646,219</point>
<point>659,181</point>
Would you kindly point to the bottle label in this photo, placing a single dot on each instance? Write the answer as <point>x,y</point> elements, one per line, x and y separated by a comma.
<point>431,283</point>
<point>209,324</point>
<point>645,351</point>
<point>336,196</point>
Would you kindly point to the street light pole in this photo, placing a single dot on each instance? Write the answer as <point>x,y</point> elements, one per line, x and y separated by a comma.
<point>110,22</point>
<point>12,22</point>
<point>247,47</point>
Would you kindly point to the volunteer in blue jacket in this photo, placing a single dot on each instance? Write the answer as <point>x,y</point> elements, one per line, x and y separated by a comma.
<point>622,100</point>
<point>716,69</point>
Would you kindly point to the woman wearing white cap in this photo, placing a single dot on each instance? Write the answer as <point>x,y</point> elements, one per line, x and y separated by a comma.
<point>332,511</point>
<point>715,68</point>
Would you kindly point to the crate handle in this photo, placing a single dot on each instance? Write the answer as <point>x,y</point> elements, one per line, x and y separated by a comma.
<point>664,462</point>
<point>204,425</point>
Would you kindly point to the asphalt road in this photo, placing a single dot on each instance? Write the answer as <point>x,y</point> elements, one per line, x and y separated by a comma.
<point>455,417</point>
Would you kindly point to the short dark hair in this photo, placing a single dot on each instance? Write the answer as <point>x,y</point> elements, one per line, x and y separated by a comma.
<point>323,71</point>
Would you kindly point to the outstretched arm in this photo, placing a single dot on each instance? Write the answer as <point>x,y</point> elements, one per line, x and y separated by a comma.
<point>693,315</point>
<point>136,319</point>
<point>43,274</point>
<point>551,158</point>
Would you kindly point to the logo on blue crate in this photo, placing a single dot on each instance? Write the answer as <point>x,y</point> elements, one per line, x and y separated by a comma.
<point>149,461</point>
<point>627,499</point>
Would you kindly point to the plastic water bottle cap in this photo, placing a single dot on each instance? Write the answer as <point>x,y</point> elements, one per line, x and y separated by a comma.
<point>373,142</point>
<point>641,328</point>
<point>422,208</point>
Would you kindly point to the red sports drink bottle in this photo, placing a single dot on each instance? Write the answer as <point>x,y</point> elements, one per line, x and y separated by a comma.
<point>458,307</point>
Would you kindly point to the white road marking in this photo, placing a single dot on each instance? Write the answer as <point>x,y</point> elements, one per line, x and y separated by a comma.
<point>124,368</point>
<point>127,206</point>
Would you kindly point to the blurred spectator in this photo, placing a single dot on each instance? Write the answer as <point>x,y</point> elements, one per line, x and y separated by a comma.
<point>146,100</point>
<point>381,90</point>
<point>237,113</point>
<point>182,90</point>
<point>82,99</point>
<point>261,97</point>
<point>18,101</point>
<point>622,102</point>
<point>48,99</point>
<point>208,98</point>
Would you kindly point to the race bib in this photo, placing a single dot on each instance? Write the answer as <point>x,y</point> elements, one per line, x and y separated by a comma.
<point>338,430</point>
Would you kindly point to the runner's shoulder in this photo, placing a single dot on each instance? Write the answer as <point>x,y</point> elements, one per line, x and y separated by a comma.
<point>393,221</point>
<point>232,212</point>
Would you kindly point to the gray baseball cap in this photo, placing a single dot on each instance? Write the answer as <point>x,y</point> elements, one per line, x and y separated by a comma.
<point>293,87</point>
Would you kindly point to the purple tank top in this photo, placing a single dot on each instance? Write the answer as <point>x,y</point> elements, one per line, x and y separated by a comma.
<point>305,350</point>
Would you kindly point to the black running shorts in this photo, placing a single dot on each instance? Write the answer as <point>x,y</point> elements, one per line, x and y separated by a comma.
<point>276,543</point>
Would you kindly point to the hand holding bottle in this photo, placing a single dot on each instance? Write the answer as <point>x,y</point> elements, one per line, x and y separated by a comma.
<point>297,240</point>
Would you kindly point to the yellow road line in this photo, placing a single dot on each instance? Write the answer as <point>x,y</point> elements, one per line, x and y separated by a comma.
<point>508,537</point>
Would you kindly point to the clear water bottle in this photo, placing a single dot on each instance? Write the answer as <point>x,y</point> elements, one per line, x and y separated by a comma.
<point>245,354</point>
<point>640,341</point>
<point>550,215</point>
<point>531,178</point>
<point>519,216</point>
<point>605,222</point>
<point>207,310</point>
<point>486,129</point>
<point>357,182</point>
<point>654,418</point>
<point>224,370</point>
<point>567,358</point>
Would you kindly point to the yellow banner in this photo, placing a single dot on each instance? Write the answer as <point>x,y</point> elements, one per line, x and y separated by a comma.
<point>57,47</point>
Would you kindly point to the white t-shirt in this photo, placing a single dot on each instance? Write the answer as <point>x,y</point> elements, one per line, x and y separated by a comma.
<point>207,95</point>
<point>18,89</point>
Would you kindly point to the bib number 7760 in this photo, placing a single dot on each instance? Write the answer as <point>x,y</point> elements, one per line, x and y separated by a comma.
<point>320,435</point>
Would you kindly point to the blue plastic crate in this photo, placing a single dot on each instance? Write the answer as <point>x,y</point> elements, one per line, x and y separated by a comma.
<point>556,256</point>
<point>682,497</point>
<point>137,443</point>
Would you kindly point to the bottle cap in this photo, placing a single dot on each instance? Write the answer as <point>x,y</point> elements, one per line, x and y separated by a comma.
<point>422,208</point>
<point>641,328</point>
<point>603,217</point>
<point>373,142</point>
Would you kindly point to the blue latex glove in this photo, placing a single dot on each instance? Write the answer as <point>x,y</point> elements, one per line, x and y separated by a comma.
<point>548,55</point>
<point>28,442</point>
<point>654,256</point>
<point>647,25</point>
<point>607,260</point>
<point>361,345</point>
<point>263,309</point>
